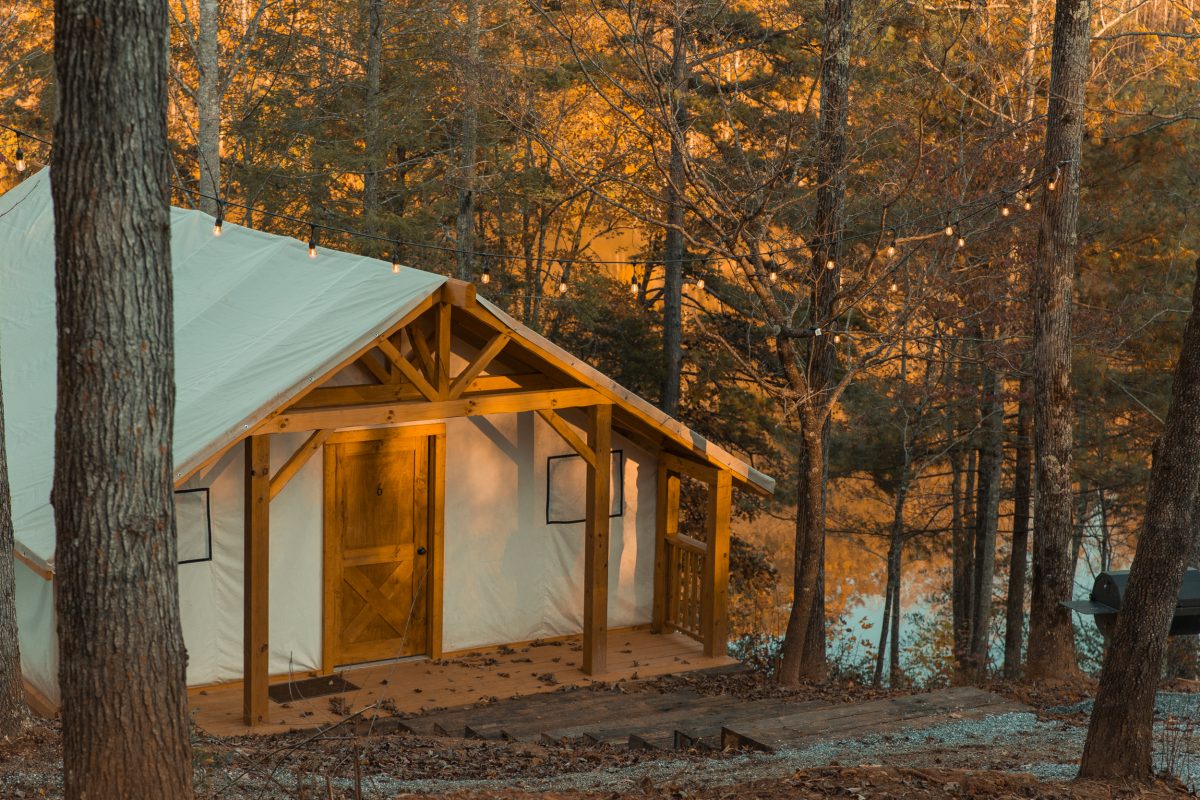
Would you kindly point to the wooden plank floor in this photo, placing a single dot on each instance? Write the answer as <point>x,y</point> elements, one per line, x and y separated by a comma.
<point>496,672</point>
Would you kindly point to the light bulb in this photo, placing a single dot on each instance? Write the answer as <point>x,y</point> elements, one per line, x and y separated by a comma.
<point>774,276</point>
<point>312,242</point>
<point>891,250</point>
<point>20,159</point>
<point>829,264</point>
<point>895,287</point>
<point>562,287</point>
<point>633,286</point>
<point>1028,204</point>
<point>395,268</point>
<point>1004,210</point>
<point>700,284</point>
<point>486,277</point>
<point>962,242</point>
<point>220,220</point>
<point>1050,184</point>
<point>837,338</point>
<point>949,230</point>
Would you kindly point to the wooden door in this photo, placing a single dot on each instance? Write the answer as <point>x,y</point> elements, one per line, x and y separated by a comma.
<point>377,541</point>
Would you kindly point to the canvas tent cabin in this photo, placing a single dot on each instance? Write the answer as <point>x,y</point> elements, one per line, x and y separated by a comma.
<point>371,466</point>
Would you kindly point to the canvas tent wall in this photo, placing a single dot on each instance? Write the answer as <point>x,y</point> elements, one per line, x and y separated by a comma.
<point>258,323</point>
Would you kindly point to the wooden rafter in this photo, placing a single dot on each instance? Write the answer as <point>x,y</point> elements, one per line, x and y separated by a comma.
<point>399,392</point>
<point>677,435</point>
<point>481,362</point>
<point>420,346</point>
<point>311,447</point>
<point>407,369</point>
<point>568,434</point>
<point>375,368</point>
<point>308,419</point>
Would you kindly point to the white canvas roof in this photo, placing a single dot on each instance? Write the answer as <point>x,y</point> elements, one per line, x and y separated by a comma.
<point>256,321</point>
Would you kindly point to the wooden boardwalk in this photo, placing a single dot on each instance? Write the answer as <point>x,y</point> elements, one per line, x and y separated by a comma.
<point>414,685</point>
<point>683,719</point>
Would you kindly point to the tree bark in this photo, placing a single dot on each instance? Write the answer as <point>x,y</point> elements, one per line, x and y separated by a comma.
<point>1119,741</point>
<point>673,245</point>
<point>1014,612</point>
<point>376,155</point>
<point>991,462</point>
<point>121,653</point>
<point>804,641</point>
<point>208,103</point>
<point>469,145</point>
<point>13,711</point>
<point>1051,636</point>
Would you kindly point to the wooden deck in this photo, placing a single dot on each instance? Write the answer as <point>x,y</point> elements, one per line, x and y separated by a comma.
<point>461,679</point>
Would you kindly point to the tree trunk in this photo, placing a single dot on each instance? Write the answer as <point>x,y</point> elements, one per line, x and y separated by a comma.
<point>13,712</point>
<point>1014,612</point>
<point>991,463</point>
<point>804,642</point>
<point>1051,636</point>
<point>208,103</point>
<point>891,592</point>
<point>960,569</point>
<point>469,145</point>
<point>121,653</point>
<point>673,246</point>
<point>810,556</point>
<point>1119,741</point>
<point>376,152</point>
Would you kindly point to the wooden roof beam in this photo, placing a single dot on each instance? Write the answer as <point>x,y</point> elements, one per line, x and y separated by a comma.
<point>307,419</point>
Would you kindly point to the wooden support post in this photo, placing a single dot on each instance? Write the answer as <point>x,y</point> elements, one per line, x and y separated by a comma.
<point>666,524</point>
<point>254,597</point>
<point>595,561</point>
<point>442,335</point>
<point>714,609</point>
<point>437,540</point>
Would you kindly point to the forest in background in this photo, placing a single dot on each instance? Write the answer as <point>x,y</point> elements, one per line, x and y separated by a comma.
<point>637,181</point>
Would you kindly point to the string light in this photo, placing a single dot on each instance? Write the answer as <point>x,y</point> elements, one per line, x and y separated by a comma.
<point>830,264</point>
<point>700,284</point>
<point>486,277</point>
<point>1021,195</point>
<point>395,263</point>
<point>220,220</point>
<point>562,287</point>
<point>962,242</point>
<point>895,287</point>
<point>773,277</point>
<point>837,338</point>
<point>312,241</point>
<point>633,285</point>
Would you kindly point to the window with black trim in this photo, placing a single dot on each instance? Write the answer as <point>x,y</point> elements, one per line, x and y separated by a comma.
<point>566,488</point>
<point>193,522</point>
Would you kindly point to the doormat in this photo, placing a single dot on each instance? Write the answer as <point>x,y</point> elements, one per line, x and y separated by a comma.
<point>307,689</point>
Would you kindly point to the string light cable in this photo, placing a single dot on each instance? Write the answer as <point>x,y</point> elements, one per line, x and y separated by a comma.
<point>968,210</point>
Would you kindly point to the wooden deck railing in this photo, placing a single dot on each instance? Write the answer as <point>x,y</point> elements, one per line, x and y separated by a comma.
<point>685,584</point>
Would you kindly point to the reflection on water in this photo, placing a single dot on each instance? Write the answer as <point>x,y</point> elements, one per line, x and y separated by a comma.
<point>855,572</point>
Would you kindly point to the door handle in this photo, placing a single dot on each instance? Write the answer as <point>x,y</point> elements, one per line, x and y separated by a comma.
<point>420,551</point>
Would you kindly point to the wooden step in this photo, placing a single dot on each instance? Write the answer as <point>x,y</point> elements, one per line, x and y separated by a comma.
<point>843,721</point>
